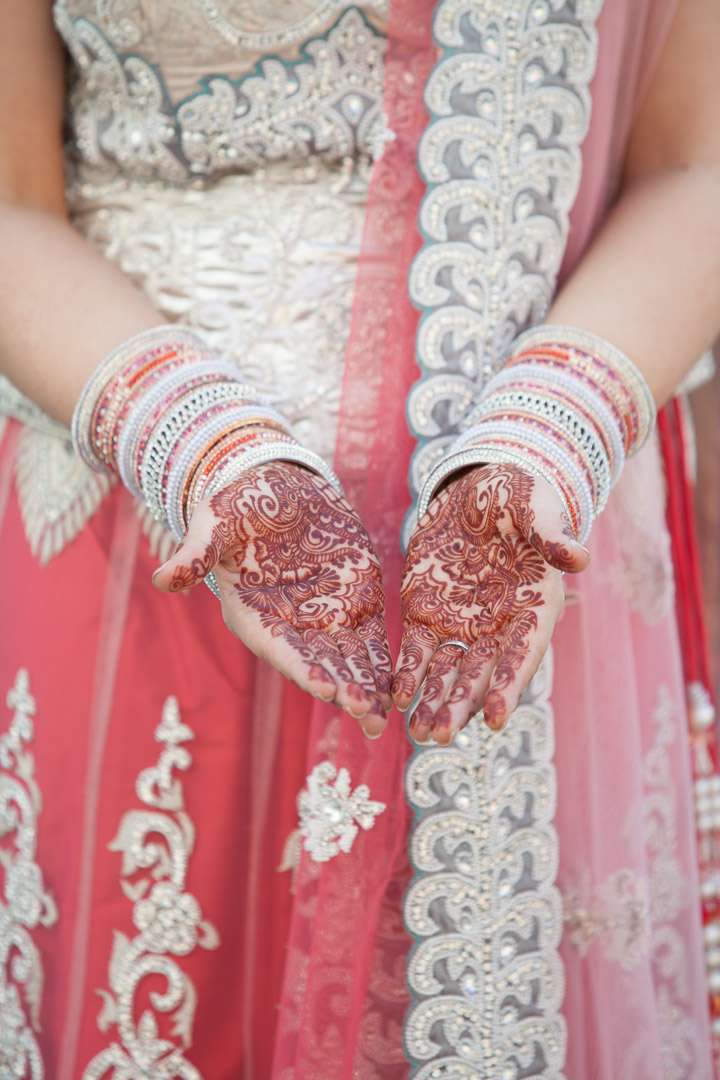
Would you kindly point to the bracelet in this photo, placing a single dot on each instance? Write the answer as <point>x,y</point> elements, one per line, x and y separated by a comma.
<point>569,407</point>
<point>177,424</point>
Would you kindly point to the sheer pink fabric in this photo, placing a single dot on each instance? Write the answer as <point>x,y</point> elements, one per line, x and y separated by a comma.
<point>636,1000</point>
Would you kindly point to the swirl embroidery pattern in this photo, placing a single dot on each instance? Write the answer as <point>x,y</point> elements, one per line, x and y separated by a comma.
<point>509,107</point>
<point>327,104</point>
<point>168,920</point>
<point>26,903</point>
<point>485,975</point>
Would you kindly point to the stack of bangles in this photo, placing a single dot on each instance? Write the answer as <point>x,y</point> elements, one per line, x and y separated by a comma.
<point>177,425</point>
<point>568,407</point>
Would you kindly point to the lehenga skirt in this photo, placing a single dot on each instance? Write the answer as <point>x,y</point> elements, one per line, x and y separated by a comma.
<point>208,874</point>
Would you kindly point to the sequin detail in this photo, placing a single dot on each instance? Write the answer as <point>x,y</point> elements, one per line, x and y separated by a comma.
<point>26,903</point>
<point>509,107</point>
<point>168,921</point>
<point>485,975</point>
<point>325,105</point>
<point>331,813</point>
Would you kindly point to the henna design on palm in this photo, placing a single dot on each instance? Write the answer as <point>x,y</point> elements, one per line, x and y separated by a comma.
<point>483,566</point>
<point>299,581</point>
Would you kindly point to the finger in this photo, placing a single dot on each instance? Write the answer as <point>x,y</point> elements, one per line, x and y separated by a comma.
<point>358,660</point>
<point>372,631</point>
<point>418,645</point>
<point>283,646</point>
<point>549,530</point>
<point>349,692</point>
<point>466,696</point>
<point>441,674</point>
<point>196,555</point>
<point>522,647</point>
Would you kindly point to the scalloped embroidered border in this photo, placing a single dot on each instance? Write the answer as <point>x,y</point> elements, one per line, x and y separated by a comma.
<point>485,975</point>
<point>509,107</point>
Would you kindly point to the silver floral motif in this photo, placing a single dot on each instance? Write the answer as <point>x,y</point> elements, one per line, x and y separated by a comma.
<point>168,920</point>
<point>331,813</point>
<point>324,105</point>
<point>26,903</point>
<point>485,975</point>
<point>509,107</point>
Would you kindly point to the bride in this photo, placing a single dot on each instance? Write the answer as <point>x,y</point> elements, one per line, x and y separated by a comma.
<point>259,263</point>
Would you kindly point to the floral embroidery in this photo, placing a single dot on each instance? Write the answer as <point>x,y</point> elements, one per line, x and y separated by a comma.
<point>331,814</point>
<point>618,918</point>
<point>327,104</point>
<point>633,919</point>
<point>168,920</point>
<point>26,903</point>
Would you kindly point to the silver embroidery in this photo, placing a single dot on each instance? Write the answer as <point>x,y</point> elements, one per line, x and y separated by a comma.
<point>57,492</point>
<point>326,105</point>
<point>509,107</point>
<point>485,975</point>
<point>331,813</point>
<point>26,903</point>
<point>618,917</point>
<point>235,29</point>
<point>168,920</point>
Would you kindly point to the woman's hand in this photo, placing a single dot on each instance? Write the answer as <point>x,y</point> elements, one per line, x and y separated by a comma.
<point>299,581</point>
<point>482,567</point>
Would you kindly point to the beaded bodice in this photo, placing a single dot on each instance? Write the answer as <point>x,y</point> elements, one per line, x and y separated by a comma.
<point>176,90</point>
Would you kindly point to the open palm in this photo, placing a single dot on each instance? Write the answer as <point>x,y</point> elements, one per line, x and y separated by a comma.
<point>483,568</point>
<point>299,583</point>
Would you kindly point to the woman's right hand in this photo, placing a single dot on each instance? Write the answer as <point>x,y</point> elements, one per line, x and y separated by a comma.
<point>299,582</point>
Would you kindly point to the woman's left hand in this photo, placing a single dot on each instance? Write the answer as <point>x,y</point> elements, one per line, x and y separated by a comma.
<point>483,567</point>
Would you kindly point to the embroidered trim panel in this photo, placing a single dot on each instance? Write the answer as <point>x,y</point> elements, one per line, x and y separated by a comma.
<point>25,903</point>
<point>509,107</point>
<point>325,105</point>
<point>485,975</point>
<point>168,920</point>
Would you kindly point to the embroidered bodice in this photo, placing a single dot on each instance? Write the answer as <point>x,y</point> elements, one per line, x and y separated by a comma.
<point>194,89</point>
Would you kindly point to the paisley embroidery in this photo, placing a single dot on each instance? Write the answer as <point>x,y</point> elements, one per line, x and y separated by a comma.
<point>509,107</point>
<point>168,920</point>
<point>327,104</point>
<point>486,977</point>
<point>331,813</point>
<point>26,903</point>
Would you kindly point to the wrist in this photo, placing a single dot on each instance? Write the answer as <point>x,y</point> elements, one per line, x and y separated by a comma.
<point>177,424</point>
<point>569,407</point>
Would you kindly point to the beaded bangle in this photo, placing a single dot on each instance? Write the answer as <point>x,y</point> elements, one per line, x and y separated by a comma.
<point>567,406</point>
<point>178,425</point>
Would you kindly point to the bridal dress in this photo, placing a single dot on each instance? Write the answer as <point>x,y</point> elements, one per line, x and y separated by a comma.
<point>206,873</point>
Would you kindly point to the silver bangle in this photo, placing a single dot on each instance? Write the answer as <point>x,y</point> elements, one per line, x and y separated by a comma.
<point>156,337</point>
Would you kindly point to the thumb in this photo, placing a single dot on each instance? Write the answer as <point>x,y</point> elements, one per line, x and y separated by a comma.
<point>196,555</point>
<point>551,534</point>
